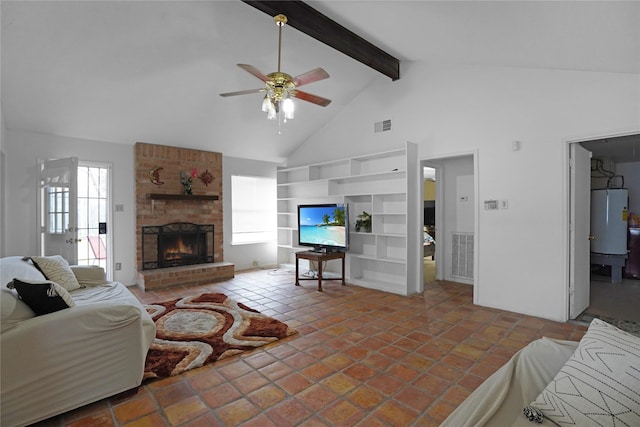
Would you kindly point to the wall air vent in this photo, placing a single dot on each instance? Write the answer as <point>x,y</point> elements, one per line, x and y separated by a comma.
<point>382,126</point>
<point>462,251</point>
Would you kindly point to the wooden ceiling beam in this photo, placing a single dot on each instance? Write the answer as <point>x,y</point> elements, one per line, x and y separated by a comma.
<point>313,23</point>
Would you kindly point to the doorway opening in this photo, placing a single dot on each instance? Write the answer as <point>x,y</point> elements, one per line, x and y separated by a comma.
<point>455,221</point>
<point>429,225</point>
<point>613,287</point>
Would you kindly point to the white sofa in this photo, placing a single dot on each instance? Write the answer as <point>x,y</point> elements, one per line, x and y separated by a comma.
<point>60,361</point>
<point>594,382</point>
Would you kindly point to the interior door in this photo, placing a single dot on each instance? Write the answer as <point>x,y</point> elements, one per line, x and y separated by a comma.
<point>579,229</point>
<point>59,210</point>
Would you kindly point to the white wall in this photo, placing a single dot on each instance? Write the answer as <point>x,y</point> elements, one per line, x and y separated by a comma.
<point>3,182</point>
<point>243,256</point>
<point>523,251</point>
<point>23,149</point>
<point>631,173</point>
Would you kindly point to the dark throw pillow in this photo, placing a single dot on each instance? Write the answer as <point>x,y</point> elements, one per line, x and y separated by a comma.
<point>42,297</point>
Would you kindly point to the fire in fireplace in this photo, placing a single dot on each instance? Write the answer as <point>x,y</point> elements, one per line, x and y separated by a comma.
<point>175,248</point>
<point>176,244</point>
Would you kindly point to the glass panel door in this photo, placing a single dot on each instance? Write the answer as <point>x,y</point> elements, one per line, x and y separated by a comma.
<point>58,216</point>
<point>93,215</point>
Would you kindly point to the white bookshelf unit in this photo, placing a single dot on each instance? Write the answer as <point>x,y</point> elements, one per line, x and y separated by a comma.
<point>380,184</point>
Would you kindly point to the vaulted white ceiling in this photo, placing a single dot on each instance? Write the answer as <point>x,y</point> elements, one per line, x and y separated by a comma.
<point>131,71</point>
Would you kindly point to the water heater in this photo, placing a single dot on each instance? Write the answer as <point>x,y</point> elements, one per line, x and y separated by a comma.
<point>609,211</point>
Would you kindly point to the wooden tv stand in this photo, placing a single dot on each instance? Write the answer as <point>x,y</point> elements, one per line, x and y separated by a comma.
<point>319,257</point>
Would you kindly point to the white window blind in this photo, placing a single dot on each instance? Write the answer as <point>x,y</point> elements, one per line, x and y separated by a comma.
<point>253,209</point>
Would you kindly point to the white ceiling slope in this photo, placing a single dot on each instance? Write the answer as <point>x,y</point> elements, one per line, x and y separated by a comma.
<point>131,71</point>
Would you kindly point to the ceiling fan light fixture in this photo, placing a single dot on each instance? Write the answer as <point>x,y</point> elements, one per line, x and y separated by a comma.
<point>288,108</point>
<point>266,104</point>
<point>272,110</point>
<point>280,87</point>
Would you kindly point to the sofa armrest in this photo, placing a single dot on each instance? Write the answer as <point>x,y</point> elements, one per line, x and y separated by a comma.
<point>63,360</point>
<point>499,400</point>
<point>88,275</point>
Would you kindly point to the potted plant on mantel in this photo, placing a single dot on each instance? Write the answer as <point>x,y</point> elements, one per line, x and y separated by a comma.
<point>364,222</point>
<point>187,180</point>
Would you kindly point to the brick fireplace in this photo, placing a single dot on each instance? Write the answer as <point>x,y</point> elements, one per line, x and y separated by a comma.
<point>163,209</point>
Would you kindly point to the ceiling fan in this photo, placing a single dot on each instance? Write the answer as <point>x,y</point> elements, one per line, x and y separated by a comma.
<point>281,87</point>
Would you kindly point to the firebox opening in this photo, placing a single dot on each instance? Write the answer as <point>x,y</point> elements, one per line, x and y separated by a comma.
<point>176,244</point>
<point>181,249</point>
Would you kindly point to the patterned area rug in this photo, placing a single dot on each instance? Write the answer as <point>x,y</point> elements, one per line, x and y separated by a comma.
<point>201,329</point>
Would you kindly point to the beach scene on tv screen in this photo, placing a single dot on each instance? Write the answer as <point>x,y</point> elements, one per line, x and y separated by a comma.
<point>322,226</point>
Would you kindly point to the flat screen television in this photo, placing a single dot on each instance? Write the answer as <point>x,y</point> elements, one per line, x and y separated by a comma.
<point>324,227</point>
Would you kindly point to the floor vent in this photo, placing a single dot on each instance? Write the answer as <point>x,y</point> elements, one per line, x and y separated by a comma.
<point>462,263</point>
<point>382,126</point>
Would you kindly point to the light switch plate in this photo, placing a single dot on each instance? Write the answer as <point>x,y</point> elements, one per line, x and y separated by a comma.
<point>490,205</point>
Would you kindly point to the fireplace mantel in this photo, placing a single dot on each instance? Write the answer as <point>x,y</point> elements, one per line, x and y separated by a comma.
<point>161,196</point>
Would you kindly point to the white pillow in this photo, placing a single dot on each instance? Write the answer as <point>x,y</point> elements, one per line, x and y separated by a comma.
<point>12,309</point>
<point>14,266</point>
<point>57,269</point>
<point>600,384</point>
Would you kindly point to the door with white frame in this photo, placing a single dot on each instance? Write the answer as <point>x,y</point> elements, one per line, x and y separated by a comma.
<point>579,229</point>
<point>456,248</point>
<point>58,208</point>
<point>94,211</point>
<point>75,211</point>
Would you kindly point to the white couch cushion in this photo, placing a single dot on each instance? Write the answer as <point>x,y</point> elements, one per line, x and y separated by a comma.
<point>600,384</point>
<point>115,293</point>
<point>89,275</point>
<point>12,309</point>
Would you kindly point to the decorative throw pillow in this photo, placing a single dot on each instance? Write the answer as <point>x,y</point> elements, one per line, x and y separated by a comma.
<point>599,385</point>
<point>42,297</point>
<point>14,266</point>
<point>57,269</point>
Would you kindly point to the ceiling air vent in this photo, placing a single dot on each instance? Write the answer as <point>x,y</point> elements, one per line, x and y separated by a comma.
<point>382,126</point>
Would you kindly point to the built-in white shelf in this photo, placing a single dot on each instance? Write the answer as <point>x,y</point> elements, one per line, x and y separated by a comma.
<point>377,183</point>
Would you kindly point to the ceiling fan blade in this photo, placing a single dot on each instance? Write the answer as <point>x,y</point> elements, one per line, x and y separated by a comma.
<point>253,70</point>
<point>310,77</point>
<point>243,92</point>
<point>315,99</point>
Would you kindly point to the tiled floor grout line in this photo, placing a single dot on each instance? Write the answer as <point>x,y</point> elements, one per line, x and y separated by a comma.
<point>379,359</point>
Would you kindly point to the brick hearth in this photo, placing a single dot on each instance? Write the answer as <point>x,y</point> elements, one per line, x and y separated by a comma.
<point>170,161</point>
<point>188,275</point>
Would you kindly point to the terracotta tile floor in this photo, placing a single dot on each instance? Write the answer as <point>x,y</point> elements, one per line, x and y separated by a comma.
<point>361,357</point>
